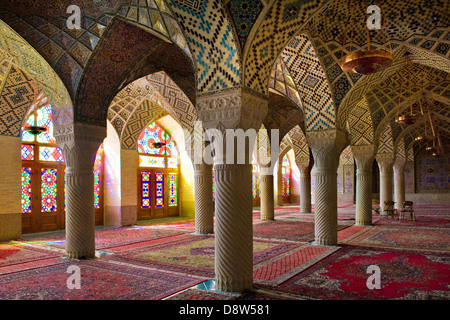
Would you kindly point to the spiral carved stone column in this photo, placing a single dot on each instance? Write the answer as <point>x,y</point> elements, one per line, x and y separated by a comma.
<point>399,182</point>
<point>267,194</point>
<point>234,235</point>
<point>326,147</point>
<point>226,112</point>
<point>204,212</point>
<point>364,157</point>
<point>385,163</point>
<point>305,186</point>
<point>80,143</point>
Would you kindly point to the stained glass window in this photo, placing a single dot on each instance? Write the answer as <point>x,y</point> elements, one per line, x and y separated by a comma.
<point>26,136</point>
<point>48,190</point>
<point>159,189</point>
<point>50,154</point>
<point>255,178</point>
<point>173,198</point>
<point>172,163</point>
<point>145,190</point>
<point>45,119</point>
<point>286,176</point>
<point>152,136</point>
<point>27,152</point>
<point>26,190</point>
<point>98,165</point>
<point>152,162</point>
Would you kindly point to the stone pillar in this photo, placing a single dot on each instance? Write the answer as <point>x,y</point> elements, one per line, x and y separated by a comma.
<point>399,182</point>
<point>204,212</point>
<point>326,146</point>
<point>267,193</point>
<point>305,185</point>
<point>79,143</point>
<point>364,157</point>
<point>385,162</point>
<point>234,109</point>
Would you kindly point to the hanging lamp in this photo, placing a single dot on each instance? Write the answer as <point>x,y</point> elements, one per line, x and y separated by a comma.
<point>411,117</point>
<point>368,61</point>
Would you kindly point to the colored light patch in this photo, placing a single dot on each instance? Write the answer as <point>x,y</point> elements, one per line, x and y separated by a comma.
<point>49,190</point>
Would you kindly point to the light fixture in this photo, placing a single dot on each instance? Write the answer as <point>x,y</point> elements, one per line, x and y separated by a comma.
<point>158,145</point>
<point>368,61</point>
<point>35,130</point>
<point>411,117</point>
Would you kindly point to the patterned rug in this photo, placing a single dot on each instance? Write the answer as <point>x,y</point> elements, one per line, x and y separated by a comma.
<point>13,253</point>
<point>107,237</point>
<point>404,275</point>
<point>421,221</point>
<point>434,239</point>
<point>287,230</point>
<point>282,267</point>
<point>351,232</point>
<point>193,255</point>
<point>99,281</point>
<point>256,294</point>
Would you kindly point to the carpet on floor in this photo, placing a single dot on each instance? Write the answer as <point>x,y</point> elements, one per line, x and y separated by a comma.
<point>13,253</point>
<point>287,230</point>
<point>282,267</point>
<point>106,237</point>
<point>404,275</point>
<point>100,280</point>
<point>193,254</point>
<point>432,239</point>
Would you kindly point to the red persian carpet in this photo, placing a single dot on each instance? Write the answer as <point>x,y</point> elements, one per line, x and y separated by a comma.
<point>284,266</point>
<point>404,275</point>
<point>15,253</point>
<point>287,230</point>
<point>431,239</point>
<point>108,237</point>
<point>100,281</point>
<point>193,254</point>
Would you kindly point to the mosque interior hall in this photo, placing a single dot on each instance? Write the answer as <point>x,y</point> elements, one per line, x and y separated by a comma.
<point>119,179</point>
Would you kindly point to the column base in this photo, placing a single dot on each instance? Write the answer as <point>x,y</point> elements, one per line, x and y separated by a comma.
<point>233,285</point>
<point>80,255</point>
<point>325,242</point>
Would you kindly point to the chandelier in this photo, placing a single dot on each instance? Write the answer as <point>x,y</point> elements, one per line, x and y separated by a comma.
<point>35,130</point>
<point>411,117</point>
<point>368,61</point>
<point>425,137</point>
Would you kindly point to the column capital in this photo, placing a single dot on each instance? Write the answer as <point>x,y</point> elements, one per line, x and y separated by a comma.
<point>364,156</point>
<point>326,146</point>
<point>232,109</point>
<point>79,143</point>
<point>385,161</point>
<point>400,163</point>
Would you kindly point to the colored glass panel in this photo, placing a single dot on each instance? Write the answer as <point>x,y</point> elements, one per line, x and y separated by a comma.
<point>96,189</point>
<point>145,190</point>
<point>159,189</point>
<point>26,136</point>
<point>173,193</point>
<point>152,135</point>
<point>286,176</point>
<point>152,162</point>
<point>98,164</point>
<point>44,119</point>
<point>26,190</point>
<point>50,154</point>
<point>49,190</point>
<point>27,152</point>
<point>172,162</point>
<point>255,186</point>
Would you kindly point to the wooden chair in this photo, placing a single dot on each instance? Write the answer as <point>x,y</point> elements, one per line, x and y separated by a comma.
<point>389,210</point>
<point>408,208</point>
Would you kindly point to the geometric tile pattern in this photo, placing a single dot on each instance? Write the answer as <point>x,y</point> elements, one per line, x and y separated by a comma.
<point>244,14</point>
<point>212,41</point>
<point>361,126</point>
<point>182,107</point>
<point>16,97</point>
<point>44,27</point>
<point>346,157</point>
<point>282,82</point>
<point>386,143</point>
<point>306,70</point>
<point>17,51</point>
<point>281,22</point>
<point>300,144</point>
